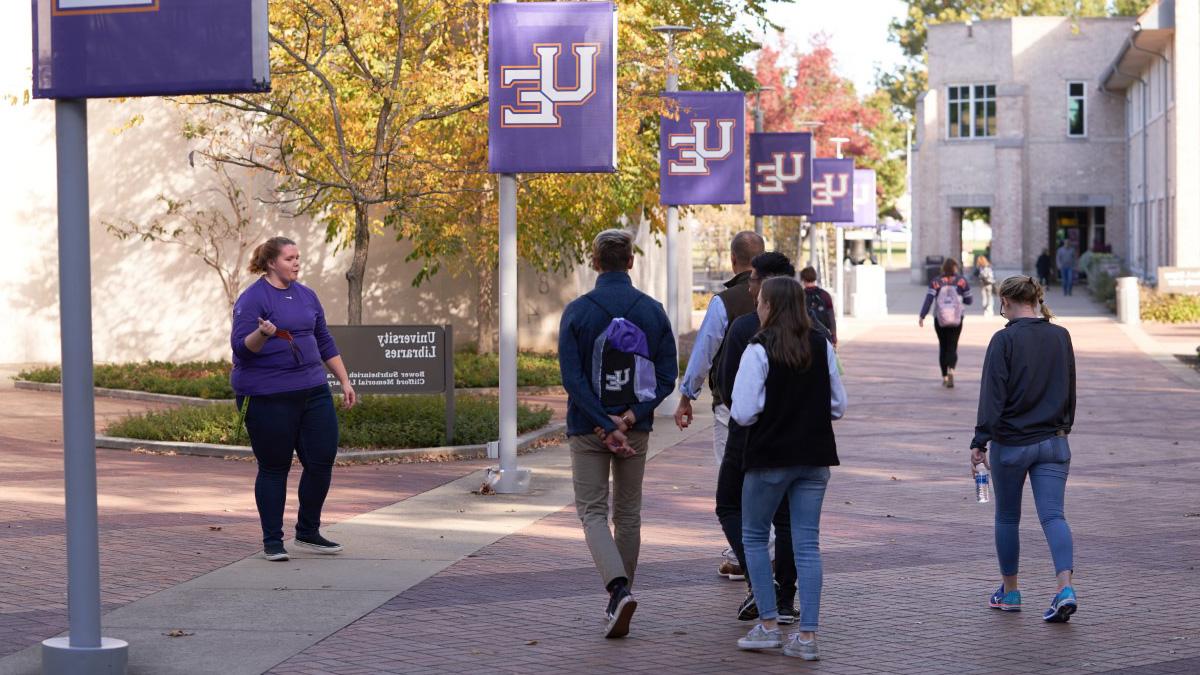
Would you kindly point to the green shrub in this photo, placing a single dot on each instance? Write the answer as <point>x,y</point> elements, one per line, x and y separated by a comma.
<point>376,422</point>
<point>1103,287</point>
<point>1170,307</point>
<point>210,379</point>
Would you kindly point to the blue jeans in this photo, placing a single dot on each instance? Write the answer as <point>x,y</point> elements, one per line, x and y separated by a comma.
<point>762,492</point>
<point>1047,464</point>
<point>303,422</point>
<point>1068,279</point>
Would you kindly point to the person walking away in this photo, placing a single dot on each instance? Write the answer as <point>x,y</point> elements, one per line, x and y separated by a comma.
<point>281,349</point>
<point>1066,259</point>
<point>1043,268</point>
<point>724,307</point>
<point>950,292</point>
<point>987,282</point>
<point>729,481</point>
<point>1026,411</point>
<point>616,354</point>
<point>819,303</point>
<point>787,393</point>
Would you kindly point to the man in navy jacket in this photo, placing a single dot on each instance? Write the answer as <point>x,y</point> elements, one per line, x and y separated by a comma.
<point>613,438</point>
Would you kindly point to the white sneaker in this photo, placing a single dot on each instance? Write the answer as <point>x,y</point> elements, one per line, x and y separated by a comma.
<point>806,650</point>
<point>761,638</point>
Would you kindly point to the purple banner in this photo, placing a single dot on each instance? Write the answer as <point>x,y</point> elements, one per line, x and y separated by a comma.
<point>833,191</point>
<point>552,83</point>
<point>866,213</point>
<point>781,174</point>
<point>702,149</point>
<point>113,48</point>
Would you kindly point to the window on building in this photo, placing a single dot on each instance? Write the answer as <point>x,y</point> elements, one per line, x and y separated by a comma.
<point>971,111</point>
<point>1076,109</point>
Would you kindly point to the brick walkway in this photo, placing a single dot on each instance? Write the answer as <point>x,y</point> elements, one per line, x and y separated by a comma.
<point>908,559</point>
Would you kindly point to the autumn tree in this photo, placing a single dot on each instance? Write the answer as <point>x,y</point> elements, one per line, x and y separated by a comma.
<point>908,79</point>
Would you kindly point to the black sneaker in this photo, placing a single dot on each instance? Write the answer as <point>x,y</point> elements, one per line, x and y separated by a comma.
<point>748,611</point>
<point>788,615</point>
<point>317,544</point>
<point>275,553</point>
<point>621,606</point>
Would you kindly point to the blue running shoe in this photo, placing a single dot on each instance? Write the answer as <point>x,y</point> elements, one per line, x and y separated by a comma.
<point>1009,602</point>
<point>1061,607</point>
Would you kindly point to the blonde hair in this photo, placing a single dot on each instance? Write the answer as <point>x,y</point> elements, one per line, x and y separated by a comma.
<point>1027,291</point>
<point>266,252</point>
<point>982,261</point>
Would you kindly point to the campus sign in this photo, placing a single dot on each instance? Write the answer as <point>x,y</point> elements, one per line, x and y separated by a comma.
<point>781,174</point>
<point>395,359</point>
<point>702,148</point>
<point>1179,280</point>
<point>113,48</point>
<point>833,191</point>
<point>552,87</point>
<point>866,213</point>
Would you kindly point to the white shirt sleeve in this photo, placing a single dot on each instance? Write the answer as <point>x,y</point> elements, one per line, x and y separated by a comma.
<point>750,386</point>
<point>708,341</point>
<point>837,393</point>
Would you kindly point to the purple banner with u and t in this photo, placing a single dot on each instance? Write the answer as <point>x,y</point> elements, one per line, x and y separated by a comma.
<point>832,191</point>
<point>115,48</point>
<point>866,213</point>
<point>781,174</point>
<point>552,87</point>
<point>702,150</point>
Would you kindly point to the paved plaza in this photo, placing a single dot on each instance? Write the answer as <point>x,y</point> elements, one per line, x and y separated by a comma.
<point>439,580</point>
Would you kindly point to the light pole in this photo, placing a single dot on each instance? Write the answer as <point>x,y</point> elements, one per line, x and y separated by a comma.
<point>811,127</point>
<point>670,32</point>
<point>758,128</point>
<point>839,301</point>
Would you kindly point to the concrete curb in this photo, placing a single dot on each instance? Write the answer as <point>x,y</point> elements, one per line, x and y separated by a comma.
<point>343,457</point>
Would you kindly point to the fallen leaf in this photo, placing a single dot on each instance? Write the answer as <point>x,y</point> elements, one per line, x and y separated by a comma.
<point>894,478</point>
<point>178,633</point>
<point>530,643</point>
<point>214,528</point>
<point>680,632</point>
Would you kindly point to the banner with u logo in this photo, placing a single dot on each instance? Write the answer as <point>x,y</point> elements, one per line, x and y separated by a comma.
<point>781,174</point>
<point>702,151</point>
<point>833,191</point>
<point>552,87</point>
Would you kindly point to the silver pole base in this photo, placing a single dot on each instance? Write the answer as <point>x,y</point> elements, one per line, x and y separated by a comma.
<point>508,482</point>
<point>60,658</point>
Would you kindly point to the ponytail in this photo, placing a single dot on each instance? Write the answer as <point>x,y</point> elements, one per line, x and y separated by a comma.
<point>266,252</point>
<point>1026,290</point>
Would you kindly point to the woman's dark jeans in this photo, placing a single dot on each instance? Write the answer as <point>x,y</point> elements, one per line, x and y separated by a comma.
<point>303,422</point>
<point>947,345</point>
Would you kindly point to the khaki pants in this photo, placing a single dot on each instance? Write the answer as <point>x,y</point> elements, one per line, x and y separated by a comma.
<point>615,554</point>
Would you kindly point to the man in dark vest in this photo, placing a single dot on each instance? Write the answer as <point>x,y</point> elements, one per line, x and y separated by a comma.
<point>726,306</point>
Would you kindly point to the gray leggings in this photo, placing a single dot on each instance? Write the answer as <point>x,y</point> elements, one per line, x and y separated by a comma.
<point>1047,463</point>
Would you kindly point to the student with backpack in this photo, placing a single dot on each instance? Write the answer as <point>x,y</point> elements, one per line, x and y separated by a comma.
<point>616,353</point>
<point>947,294</point>
<point>787,394</point>
<point>819,303</point>
<point>1026,411</point>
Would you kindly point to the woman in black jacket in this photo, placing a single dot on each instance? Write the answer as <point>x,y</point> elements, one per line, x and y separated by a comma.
<point>1026,409</point>
<point>787,392</point>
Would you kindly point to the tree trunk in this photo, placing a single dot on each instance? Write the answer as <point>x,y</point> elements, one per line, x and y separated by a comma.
<point>358,265</point>
<point>485,311</point>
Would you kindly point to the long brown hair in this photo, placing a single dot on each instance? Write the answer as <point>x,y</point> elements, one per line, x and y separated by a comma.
<point>949,267</point>
<point>1026,291</point>
<point>785,333</point>
<point>266,252</point>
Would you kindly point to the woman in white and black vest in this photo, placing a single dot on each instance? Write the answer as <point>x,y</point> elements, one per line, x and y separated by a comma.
<point>787,392</point>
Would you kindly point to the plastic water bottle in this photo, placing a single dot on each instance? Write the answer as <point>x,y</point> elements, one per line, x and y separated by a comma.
<point>981,484</point>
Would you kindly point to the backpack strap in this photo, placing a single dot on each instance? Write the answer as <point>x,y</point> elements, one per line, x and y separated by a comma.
<point>604,309</point>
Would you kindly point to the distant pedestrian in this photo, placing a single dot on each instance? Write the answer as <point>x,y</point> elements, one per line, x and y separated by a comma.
<point>281,348</point>
<point>787,393</point>
<point>987,282</point>
<point>724,307</point>
<point>949,292</point>
<point>1043,268</point>
<point>729,481</point>
<point>616,353</point>
<point>1026,411</point>
<point>1066,259</point>
<point>819,303</point>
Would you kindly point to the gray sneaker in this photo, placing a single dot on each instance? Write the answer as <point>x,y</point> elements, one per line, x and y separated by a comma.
<point>799,648</point>
<point>761,638</point>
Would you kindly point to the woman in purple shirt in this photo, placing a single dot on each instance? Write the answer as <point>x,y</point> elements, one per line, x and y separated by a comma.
<point>281,347</point>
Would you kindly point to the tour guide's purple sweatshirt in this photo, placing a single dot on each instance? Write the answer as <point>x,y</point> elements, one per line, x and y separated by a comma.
<point>274,369</point>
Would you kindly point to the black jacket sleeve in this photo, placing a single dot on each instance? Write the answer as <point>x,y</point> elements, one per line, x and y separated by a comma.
<point>736,341</point>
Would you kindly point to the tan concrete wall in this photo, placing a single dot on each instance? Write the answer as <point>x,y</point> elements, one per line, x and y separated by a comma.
<point>153,301</point>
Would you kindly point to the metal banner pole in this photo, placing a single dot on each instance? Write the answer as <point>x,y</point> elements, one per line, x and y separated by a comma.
<point>672,211</point>
<point>758,128</point>
<point>508,481</point>
<point>84,650</point>
<point>839,300</point>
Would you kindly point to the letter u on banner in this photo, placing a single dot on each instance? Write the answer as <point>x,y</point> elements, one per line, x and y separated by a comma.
<point>781,174</point>
<point>833,191</point>
<point>702,150</point>
<point>552,87</point>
